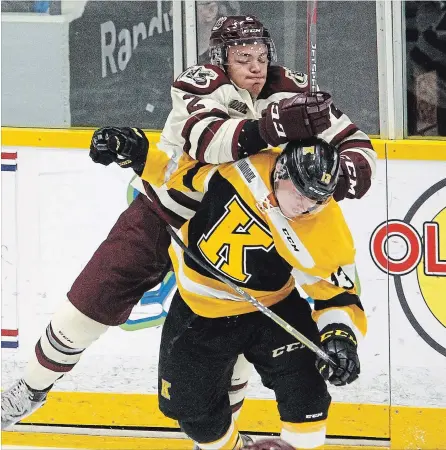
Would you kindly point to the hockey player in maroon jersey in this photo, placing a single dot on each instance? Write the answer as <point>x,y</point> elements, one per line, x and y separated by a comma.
<point>221,112</point>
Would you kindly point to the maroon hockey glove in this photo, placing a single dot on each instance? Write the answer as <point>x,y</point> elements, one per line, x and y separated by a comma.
<point>355,176</point>
<point>269,444</point>
<point>339,342</point>
<point>125,146</point>
<point>299,117</point>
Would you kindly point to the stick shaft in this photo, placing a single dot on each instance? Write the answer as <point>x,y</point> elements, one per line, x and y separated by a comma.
<point>312,43</point>
<point>249,298</point>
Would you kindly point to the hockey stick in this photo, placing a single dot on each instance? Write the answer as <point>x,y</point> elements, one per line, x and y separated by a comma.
<point>249,298</point>
<point>311,43</point>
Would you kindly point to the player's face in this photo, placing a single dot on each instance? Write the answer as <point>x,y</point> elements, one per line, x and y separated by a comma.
<point>247,66</point>
<point>291,202</point>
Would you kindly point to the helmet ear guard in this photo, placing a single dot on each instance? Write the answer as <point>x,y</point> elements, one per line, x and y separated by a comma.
<point>238,30</point>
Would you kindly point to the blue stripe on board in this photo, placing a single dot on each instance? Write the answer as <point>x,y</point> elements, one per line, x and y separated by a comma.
<point>10,344</point>
<point>8,168</point>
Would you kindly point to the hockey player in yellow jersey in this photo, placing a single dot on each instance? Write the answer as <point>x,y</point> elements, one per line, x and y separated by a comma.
<point>236,106</point>
<point>264,222</point>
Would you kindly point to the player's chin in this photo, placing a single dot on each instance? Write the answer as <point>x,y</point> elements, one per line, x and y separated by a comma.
<point>256,87</point>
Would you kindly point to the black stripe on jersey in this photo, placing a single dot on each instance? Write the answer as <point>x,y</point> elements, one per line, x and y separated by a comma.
<point>217,178</point>
<point>183,199</point>
<point>188,178</point>
<point>343,299</point>
<point>167,214</point>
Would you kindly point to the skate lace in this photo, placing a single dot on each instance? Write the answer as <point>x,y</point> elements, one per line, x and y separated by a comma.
<point>16,401</point>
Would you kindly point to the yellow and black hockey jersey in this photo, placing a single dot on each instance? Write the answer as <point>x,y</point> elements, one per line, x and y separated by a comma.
<point>240,231</point>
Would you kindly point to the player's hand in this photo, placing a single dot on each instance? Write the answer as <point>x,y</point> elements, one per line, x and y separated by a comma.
<point>300,117</point>
<point>128,147</point>
<point>355,176</point>
<point>339,342</point>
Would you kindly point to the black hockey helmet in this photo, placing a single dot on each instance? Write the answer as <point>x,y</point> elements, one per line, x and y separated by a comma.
<point>311,168</point>
<point>238,30</point>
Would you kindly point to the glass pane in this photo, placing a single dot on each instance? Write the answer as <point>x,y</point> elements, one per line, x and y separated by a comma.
<point>121,64</point>
<point>426,67</point>
<point>52,7</point>
<point>347,58</point>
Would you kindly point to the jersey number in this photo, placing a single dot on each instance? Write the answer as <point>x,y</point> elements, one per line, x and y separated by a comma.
<point>227,244</point>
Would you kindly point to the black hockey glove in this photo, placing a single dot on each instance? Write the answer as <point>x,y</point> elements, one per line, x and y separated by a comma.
<point>128,147</point>
<point>339,342</point>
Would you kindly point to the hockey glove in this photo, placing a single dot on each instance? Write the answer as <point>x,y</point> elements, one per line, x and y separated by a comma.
<point>355,176</point>
<point>299,117</point>
<point>339,342</point>
<point>128,147</point>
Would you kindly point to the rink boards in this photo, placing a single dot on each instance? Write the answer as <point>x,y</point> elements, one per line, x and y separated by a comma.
<point>57,206</point>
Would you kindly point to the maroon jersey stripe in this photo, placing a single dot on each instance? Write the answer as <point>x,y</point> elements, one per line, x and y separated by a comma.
<point>183,199</point>
<point>193,120</point>
<point>346,132</point>
<point>166,214</point>
<point>355,143</point>
<point>206,138</point>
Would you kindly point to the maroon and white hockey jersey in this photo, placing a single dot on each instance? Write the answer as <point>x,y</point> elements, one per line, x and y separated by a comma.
<point>204,126</point>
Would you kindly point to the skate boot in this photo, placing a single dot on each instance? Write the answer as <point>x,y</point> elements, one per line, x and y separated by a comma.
<point>246,440</point>
<point>19,401</point>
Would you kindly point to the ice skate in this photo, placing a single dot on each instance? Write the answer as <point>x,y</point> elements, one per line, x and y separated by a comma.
<point>19,401</point>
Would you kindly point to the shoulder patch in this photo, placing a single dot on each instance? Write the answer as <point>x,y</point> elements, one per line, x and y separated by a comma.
<point>201,80</point>
<point>282,79</point>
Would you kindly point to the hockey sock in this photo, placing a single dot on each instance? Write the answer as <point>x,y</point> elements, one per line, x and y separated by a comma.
<point>239,384</point>
<point>231,440</point>
<point>59,349</point>
<point>304,435</point>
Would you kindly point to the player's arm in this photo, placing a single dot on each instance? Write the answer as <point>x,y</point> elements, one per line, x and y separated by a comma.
<point>200,122</point>
<point>341,321</point>
<point>210,135</point>
<point>358,158</point>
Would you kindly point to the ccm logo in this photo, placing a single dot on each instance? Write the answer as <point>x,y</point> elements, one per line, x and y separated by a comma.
<point>287,348</point>
<point>290,239</point>
<point>277,125</point>
<point>313,416</point>
<point>352,174</point>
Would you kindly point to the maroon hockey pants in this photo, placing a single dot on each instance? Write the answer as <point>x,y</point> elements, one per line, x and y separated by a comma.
<point>132,260</point>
